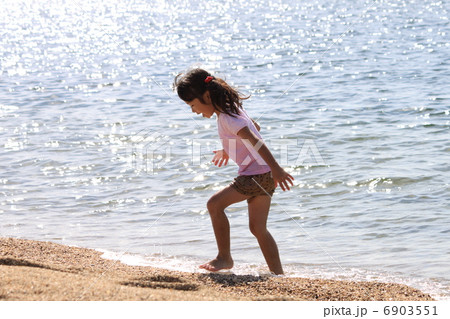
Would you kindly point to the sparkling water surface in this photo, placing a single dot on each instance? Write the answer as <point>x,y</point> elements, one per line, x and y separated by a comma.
<point>352,98</point>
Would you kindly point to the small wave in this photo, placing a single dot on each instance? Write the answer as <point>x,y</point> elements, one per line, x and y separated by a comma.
<point>391,181</point>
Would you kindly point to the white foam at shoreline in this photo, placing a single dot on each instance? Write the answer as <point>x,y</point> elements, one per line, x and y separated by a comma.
<point>437,290</point>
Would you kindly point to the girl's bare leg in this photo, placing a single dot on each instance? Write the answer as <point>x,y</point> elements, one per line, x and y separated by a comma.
<point>216,207</point>
<point>258,211</point>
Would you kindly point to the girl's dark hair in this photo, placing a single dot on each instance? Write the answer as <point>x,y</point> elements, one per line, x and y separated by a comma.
<point>224,98</point>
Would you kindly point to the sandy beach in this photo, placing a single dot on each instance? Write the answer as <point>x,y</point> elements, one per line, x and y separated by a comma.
<point>34,270</point>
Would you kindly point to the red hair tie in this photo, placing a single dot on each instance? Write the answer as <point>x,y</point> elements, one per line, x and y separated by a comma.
<point>209,79</point>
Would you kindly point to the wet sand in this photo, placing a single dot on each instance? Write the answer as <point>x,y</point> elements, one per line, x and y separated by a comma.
<point>34,270</point>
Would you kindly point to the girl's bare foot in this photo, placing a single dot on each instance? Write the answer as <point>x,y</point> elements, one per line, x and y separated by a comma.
<point>218,264</point>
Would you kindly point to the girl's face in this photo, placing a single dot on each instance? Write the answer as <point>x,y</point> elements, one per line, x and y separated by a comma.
<point>206,109</point>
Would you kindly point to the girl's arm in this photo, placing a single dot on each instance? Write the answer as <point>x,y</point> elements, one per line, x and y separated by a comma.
<point>280,176</point>
<point>256,125</point>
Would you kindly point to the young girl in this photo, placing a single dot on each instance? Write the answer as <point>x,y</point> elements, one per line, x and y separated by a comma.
<point>259,173</point>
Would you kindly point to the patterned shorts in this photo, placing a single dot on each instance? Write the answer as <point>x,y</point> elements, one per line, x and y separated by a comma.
<point>254,185</point>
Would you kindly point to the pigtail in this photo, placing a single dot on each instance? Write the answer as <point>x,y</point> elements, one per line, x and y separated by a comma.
<point>224,97</point>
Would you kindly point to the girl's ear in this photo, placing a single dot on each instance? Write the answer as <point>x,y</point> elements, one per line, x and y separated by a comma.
<point>207,97</point>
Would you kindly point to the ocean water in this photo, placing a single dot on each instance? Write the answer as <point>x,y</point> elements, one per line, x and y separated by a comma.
<point>353,98</point>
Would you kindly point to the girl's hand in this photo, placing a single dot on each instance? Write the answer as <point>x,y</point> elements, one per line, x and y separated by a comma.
<point>220,157</point>
<point>280,177</point>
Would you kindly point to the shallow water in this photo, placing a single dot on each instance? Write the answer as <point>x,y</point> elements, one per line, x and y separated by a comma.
<point>352,98</point>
